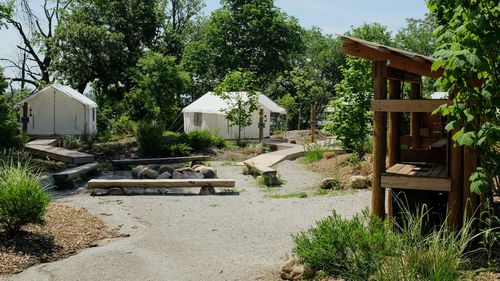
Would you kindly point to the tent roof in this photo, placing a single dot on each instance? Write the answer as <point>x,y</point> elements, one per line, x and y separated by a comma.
<point>68,91</point>
<point>210,103</point>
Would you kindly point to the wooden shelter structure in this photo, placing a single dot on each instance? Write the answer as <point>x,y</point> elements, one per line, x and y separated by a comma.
<point>426,163</point>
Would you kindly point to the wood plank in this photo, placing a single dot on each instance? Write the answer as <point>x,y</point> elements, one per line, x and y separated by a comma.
<point>437,169</point>
<point>400,75</point>
<point>423,155</point>
<point>395,168</point>
<point>443,173</point>
<point>435,184</point>
<point>168,160</point>
<point>75,172</point>
<point>167,183</point>
<point>423,105</point>
<point>425,171</point>
<point>60,154</point>
<point>405,170</point>
<point>379,141</point>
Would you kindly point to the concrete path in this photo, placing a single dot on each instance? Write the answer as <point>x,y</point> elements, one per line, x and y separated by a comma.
<point>192,238</point>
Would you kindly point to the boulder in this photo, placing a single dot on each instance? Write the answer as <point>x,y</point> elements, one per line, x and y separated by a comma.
<point>137,170</point>
<point>330,183</point>
<point>166,168</point>
<point>148,174</point>
<point>198,168</point>
<point>186,175</point>
<point>184,170</point>
<point>209,173</point>
<point>358,182</point>
<point>155,167</point>
<point>165,176</point>
<point>197,162</point>
<point>292,270</point>
<point>292,141</point>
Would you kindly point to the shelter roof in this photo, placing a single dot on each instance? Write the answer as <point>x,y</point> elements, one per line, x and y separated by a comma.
<point>66,90</point>
<point>396,58</point>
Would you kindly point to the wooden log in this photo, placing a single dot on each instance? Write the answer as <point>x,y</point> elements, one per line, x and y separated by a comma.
<point>414,106</point>
<point>434,184</point>
<point>456,194</point>
<point>379,141</point>
<point>168,160</point>
<point>394,137</point>
<point>415,118</point>
<point>169,183</point>
<point>470,199</point>
<point>73,173</point>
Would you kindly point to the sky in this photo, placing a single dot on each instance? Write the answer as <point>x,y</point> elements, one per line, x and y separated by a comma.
<point>332,16</point>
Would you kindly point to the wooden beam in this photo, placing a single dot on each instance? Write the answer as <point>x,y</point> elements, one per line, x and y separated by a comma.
<point>396,74</point>
<point>415,117</point>
<point>408,105</point>
<point>168,160</point>
<point>75,172</point>
<point>394,138</point>
<point>379,141</point>
<point>434,184</point>
<point>393,60</point>
<point>168,183</point>
<point>456,193</point>
<point>60,154</point>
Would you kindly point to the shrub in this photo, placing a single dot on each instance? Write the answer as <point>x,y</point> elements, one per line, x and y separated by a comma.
<point>70,142</point>
<point>313,153</point>
<point>352,249</point>
<point>22,198</point>
<point>9,126</point>
<point>179,149</point>
<point>205,139</point>
<point>123,125</point>
<point>150,138</point>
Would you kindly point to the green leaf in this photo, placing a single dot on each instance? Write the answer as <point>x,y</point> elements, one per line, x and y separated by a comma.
<point>450,126</point>
<point>466,139</point>
<point>479,181</point>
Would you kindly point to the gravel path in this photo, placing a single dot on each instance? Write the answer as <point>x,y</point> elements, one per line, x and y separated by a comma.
<point>237,237</point>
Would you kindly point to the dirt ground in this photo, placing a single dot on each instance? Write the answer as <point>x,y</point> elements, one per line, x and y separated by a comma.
<point>242,236</point>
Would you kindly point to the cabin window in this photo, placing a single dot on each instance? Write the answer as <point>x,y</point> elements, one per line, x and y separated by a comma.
<point>197,119</point>
<point>93,114</point>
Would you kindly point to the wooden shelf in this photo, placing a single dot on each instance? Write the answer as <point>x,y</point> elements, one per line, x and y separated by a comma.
<point>420,176</point>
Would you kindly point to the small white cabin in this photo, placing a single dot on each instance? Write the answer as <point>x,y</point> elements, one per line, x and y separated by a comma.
<point>206,113</point>
<point>58,110</point>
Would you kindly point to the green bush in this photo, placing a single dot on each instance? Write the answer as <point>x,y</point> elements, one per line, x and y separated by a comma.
<point>179,149</point>
<point>150,138</point>
<point>70,142</point>
<point>205,139</point>
<point>123,125</point>
<point>9,125</point>
<point>313,153</point>
<point>352,249</point>
<point>22,198</point>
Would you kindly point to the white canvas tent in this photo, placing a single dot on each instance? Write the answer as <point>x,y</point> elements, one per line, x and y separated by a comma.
<point>206,113</point>
<point>59,110</point>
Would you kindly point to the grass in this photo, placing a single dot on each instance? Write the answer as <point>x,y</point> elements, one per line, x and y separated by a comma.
<point>214,205</point>
<point>289,195</point>
<point>331,192</point>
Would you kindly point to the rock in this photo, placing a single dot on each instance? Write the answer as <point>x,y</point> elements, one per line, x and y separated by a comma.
<point>166,168</point>
<point>187,175</point>
<point>148,174</point>
<point>197,162</point>
<point>155,167</point>
<point>209,173</point>
<point>292,141</point>
<point>292,270</point>
<point>358,182</point>
<point>165,176</point>
<point>207,190</point>
<point>137,170</point>
<point>198,168</point>
<point>183,170</point>
<point>330,183</point>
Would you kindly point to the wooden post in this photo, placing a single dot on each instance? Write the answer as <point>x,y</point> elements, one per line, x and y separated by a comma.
<point>261,122</point>
<point>456,193</point>
<point>25,118</point>
<point>470,200</point>
<point>394,136</point>
<point>415,118</point>
<point>313,124</point>
<point>379,141</point>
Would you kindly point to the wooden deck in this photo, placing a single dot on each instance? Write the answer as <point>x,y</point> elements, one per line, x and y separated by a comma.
<point>60,154</point>
<point>420,176</point>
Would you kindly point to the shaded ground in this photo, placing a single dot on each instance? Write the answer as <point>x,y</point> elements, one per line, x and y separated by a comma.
<point>238,237</point>
<point>66,231</point>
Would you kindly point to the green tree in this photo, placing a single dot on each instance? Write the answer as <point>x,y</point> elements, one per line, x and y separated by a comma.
<point>352,115</point>
<point>240,106</point>
<point>158,82</point>
<point>253,35</point>
<point>9,126</point>
<point>468,40</point>
<point>198,60</point>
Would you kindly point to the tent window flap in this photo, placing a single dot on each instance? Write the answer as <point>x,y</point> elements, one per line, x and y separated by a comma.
<point>198,119</point>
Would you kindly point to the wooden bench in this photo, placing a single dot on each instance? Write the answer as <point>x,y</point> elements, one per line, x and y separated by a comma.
<point>168,160</point>
<point>60,154</point>
<point>66,178</point>
<point>116,187</point>
<point>269,174</point>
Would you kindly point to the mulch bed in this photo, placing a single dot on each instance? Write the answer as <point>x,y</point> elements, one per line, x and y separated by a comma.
<point>66,231</point>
